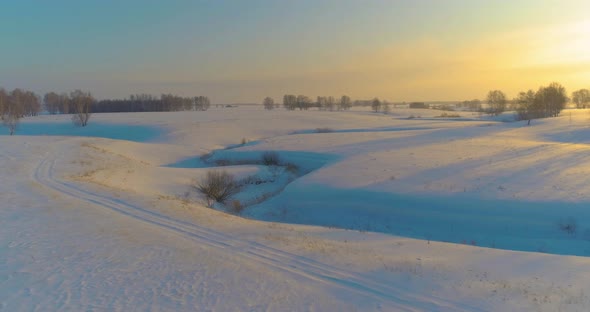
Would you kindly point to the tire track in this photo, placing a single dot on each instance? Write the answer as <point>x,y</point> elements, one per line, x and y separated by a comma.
<point>383,294</point>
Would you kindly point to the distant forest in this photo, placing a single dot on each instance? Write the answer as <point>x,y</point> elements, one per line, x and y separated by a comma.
<point>547,101</point>
<point>60,104</point>
<point>22,103</point>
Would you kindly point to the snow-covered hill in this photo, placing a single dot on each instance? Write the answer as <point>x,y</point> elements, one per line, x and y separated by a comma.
<point>381,213</point>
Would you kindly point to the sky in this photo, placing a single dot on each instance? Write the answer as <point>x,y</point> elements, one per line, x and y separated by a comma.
<point>244,50</point>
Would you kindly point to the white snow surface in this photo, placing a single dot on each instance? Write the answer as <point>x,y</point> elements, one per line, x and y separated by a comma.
<point>379,213</point>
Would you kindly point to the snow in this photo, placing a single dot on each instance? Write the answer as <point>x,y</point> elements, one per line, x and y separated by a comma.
<point>60,127</point>
<point>380,213</point>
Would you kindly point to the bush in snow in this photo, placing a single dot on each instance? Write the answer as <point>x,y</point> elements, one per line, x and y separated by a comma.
<point>568,225</point>
<point>292,168</point>
<point>236,206</point>
<point>81,103</point>
<point>270,159</point>
<point>376,105</point>
<point>218,186</point>
<point>268,103</point>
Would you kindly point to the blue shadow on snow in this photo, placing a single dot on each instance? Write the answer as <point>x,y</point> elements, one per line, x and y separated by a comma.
<point>136,133</point>
<point>502,224</point>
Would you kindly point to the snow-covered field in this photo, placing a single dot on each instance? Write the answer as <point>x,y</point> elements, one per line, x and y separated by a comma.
<point>374,213</point>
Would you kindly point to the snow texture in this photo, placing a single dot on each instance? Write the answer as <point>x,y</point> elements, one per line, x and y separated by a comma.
<point>372,212</point>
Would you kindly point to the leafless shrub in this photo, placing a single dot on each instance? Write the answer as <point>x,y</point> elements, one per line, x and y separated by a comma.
<point>236,207</point>
<point>81,103</point>
<point>291,168</point>
<point>10,121</point>
<point>568,225</point>
<point>270,159</point>
<point>78,120</point>
<point>218,186</point>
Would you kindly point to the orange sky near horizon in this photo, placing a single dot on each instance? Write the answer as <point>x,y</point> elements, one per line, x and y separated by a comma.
<point>512,61</point>
<point>242,51</point>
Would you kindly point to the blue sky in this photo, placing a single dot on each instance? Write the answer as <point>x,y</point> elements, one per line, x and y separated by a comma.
<point>241,51</point>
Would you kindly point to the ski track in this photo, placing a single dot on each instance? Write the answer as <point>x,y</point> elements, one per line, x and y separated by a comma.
<point>382,293</point>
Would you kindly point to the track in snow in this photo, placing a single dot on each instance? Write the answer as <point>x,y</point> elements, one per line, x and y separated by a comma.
<point>384,295</point>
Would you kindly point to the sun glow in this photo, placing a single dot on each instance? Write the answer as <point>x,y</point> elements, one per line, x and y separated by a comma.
<point>566,44</point>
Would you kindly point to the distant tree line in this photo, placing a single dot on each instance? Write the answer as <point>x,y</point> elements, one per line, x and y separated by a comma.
<point>547,101</point>
<point>293,102</point>
<point>20,103</point>
<point>472,105</point>
<point>60,104</point>
<point>420,105</point>
<point>302,102</point>
<point>148,103</point>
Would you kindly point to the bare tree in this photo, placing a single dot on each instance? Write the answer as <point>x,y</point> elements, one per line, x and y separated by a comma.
<point>321,102</point>
<point>581,98</point>
<point>64,103</point>
<point>525,106</point>
<point>303,102</point>
<point>202,103</point>
<point>345,103</point>
<point>3,101</point>
<point>551,99</point>
<point>10,121</point>
<point>31,104</point>
<point>546,102</point>
<point>51,101</point>
<point>13,109</point>
<point>497,101</point>
<point>171,102</point>
<point>330,103</point>
<point>290,101</point>
<point>16,103</point>
<point>376,105</point>
<point>268,103</point>
<point>81,103</point>
<point>188,104</point>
